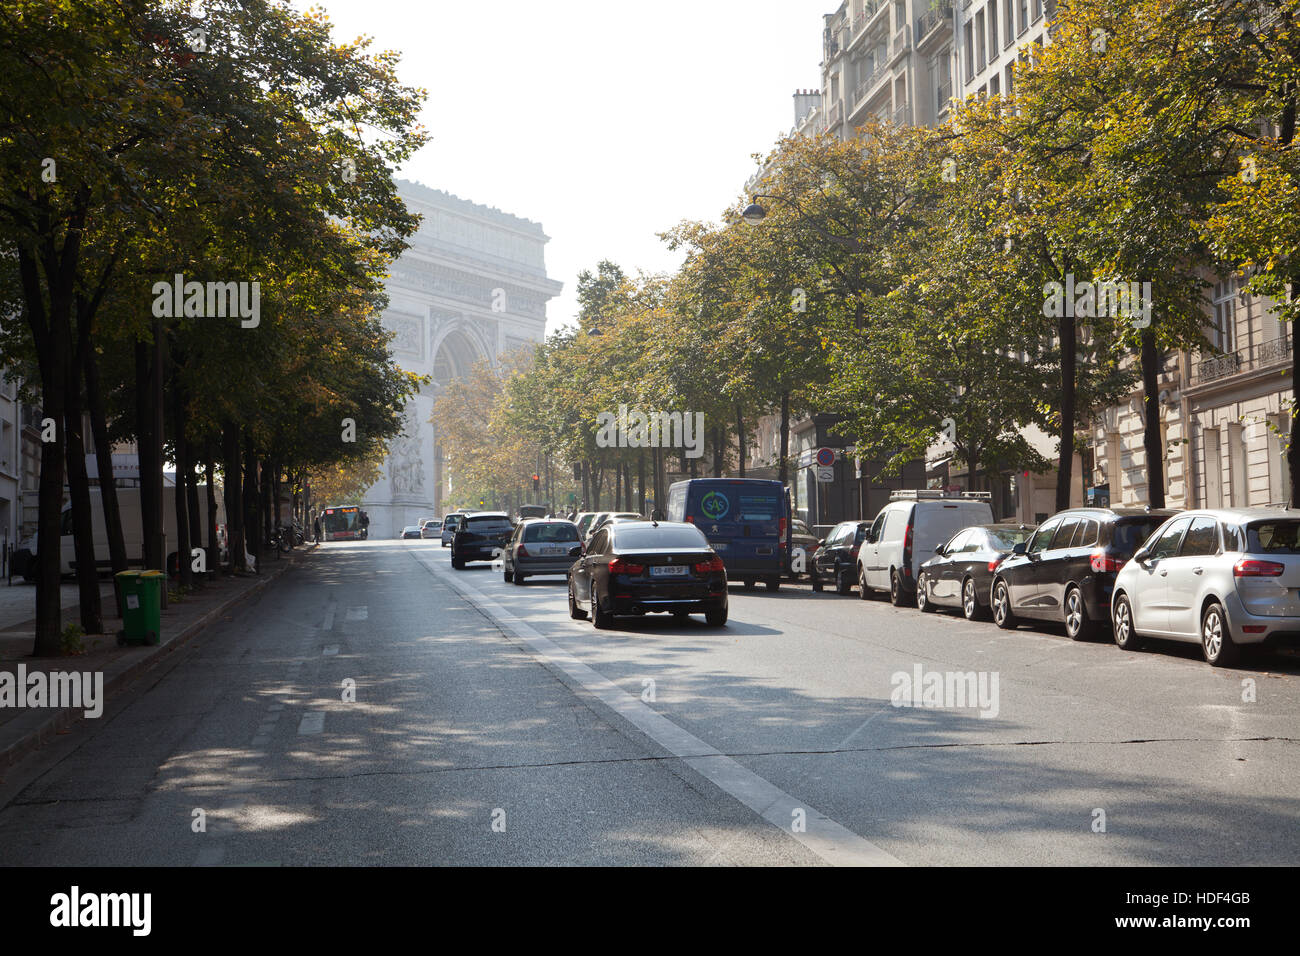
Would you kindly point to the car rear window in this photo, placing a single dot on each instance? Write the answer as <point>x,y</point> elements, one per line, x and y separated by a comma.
<point>1128,536</point>
<point>551,532</point>
<point>487,523</point>
<point>647,539</point>
<point>1001,540</point>
<point>1273,537</point>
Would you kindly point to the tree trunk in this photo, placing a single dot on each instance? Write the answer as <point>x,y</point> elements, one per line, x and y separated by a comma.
<point>150,505</point>
<point>1065,467</point>
<point>640,481</point>
<point>83,526</point>
<point>117,555</point>
<point>740,439</point>
<point>184,480</point>
<point>785,438</point>
<point>1155,452</point>
<point>214,548</point>
<point>233,495</point>
<point>252,535</point>
<point>717,451</point>
<point>192,504</point>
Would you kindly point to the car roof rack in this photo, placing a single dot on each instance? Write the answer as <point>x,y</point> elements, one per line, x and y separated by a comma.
<point>919,494</point>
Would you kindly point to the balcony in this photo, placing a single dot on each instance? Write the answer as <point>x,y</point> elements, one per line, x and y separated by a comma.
<point>834,116</point>
<point>899,43</point>
<point>936,19</point>
<point>1251,359</point>
<point>901,117</point>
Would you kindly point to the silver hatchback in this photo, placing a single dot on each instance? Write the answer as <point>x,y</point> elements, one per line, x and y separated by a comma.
<point>1222,578</point>
<point>540,546</point>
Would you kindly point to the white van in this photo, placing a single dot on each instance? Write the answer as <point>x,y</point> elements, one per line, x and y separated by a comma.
<point>906,534</point>
<point>128,503</point>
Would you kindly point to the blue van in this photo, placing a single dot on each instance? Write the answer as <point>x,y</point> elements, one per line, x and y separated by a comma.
<point>747,522</point>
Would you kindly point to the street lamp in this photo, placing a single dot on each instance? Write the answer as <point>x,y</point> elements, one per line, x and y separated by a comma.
<point>754,213</point>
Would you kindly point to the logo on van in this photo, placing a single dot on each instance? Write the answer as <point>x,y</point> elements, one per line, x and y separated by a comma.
<point>715,505</point>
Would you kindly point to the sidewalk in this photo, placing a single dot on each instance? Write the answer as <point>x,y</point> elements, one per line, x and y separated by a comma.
<point>25,729</point>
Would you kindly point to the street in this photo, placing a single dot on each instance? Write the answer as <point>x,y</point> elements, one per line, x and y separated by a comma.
<point>490,728</point>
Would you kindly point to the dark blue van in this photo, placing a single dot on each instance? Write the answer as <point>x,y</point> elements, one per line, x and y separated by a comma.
<point>747,522</point>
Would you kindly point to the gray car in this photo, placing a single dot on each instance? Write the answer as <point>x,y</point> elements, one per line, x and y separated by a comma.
<point>541,546</point>
<point>449,526</point>
<point>1226,579</point>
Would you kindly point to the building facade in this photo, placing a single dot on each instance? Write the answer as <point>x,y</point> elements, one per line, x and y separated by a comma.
<point>471,287</point>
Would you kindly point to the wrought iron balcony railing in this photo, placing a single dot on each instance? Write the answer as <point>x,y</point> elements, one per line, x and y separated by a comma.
<point>1243,360</point>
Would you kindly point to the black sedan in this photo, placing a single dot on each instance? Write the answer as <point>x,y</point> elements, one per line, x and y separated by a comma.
<point>482,536</point>
<point>801,539</point>
<point>1066,571</point>
<point>961,572</point>
<point>646,567</point>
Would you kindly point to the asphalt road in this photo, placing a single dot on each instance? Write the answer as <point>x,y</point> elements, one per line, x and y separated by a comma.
<point>489,728</point>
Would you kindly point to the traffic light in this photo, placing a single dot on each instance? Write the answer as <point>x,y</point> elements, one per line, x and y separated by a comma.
<point>537,482</point>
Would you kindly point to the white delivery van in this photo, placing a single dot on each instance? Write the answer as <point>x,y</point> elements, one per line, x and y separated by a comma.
<point>906,533</point>
<point>128,503</point>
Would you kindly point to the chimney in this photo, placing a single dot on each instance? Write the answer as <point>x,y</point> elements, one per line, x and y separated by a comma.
<point>805,101</point>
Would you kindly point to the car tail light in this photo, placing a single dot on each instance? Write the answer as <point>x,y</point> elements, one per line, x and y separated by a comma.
<point>619,566</point>
<point>713,564</point>
<point>1103,562</point>
<point>854,553</point>
<point>523,551</point>
<point>1250,568</point>
<point>689,519</point>
<point>781,532</point>
<point>993,565</point>
<point>907,539</point>
<point>1254,628</point>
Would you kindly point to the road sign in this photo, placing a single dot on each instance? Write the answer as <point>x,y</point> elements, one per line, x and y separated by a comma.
<point>825,474</point>
<point>825,458</point>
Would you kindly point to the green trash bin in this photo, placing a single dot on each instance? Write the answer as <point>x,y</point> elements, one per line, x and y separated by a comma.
<point>141,606</point>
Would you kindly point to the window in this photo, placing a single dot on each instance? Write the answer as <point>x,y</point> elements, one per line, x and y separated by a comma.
<point>1224,333</point>
<point>1238,493</point>
<point>877,526</point>
<point>1043,536</point>
<point>1087,534</point>
<point>993,28</point>
<point>1024,16</point>
<point>969,33</point>
<point>976,541</point>
<point>1273,537</point>
<point>1233,539</point>
<point>550,532</point>
<point>958,541</point>
<point>1038,10</point>
<point>599,542</point>
<point>900,15</point>
<point>1115,467</point>
<point>981,51</point>
<point>1213,469</point>
<point>1125,536</point>
<point>644,539</point>
<point>1202,538</point>
<point>1009,30</point>
<point>1064,537</point>
<point>895,522</point>
<point>1167,544</point>
<point>1279,468</point>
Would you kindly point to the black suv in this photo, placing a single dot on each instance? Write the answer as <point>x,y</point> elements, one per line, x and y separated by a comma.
<point>1066,571</point>
<point>481,537</point>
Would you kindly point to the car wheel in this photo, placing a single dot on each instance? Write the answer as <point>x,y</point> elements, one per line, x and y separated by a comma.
<point>1126,637</point>
<point>602,619</point>
<point>897,594</point>
<point>716,618</point>
<point>1002,615</point>
<point>519,578</point>
<point>843,582</point>
<point>1077,624</point>
<point>575,612</point>
<point>508,576</point>
<point>458,564</point>
<point>864,592</point>
<point>923,604</point>
<point>681,616</point>
<point>815,581</point>
<point>1216,641</point>
<point>970,602</point>
<point>749,584</point>
<point>773,584</point>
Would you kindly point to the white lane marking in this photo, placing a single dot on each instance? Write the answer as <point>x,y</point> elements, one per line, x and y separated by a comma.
<point>330,650</point>
<point>357,613</point>
<point>834,843</point>
<point>313,722</point>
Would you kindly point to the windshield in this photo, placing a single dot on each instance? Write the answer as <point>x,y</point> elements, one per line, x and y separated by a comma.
<point>341,520</point>
<point>648,539</point>
<point>1006,539</point>
<point>1274,537</point>
<point>487,523</point>
<point>1129,535</point>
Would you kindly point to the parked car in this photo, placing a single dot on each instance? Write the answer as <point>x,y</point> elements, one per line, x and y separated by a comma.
<point>1066,571</point>
<point>746,521</point>
<point>597,518</point>
<point>411,531</point>
<point>800,537</point>
<point>907,532</point>
<point>449,526</point>
<point>482,536</point>
<point>835,561</point>
<point>431,528</point>
<point>541,546</point>
<point>583,520</point>
<point>609,516</point>
<point>1226,579</point>
<point>961,572</point>
<point>646,567</point>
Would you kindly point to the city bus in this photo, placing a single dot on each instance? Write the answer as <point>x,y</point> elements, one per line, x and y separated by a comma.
<point>342,523</point>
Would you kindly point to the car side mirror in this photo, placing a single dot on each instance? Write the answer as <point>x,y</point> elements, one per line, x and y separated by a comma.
<point>1019,548</point>
<point>939,550</point>
<point>575,551</point>
<point>1142,556</point>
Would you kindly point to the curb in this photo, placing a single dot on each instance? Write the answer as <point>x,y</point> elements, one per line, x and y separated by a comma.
<point>46,725</point>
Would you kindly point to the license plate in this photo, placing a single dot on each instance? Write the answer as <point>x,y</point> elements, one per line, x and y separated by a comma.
<point>718,545</point>
<point>668,570</point>
<point>552,551</point>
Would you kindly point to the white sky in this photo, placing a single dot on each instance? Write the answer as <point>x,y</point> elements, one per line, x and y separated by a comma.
<point>606,122</point>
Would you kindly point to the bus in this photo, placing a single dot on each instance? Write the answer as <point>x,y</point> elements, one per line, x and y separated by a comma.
<point>747,522</point>
<point>342,523</point>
